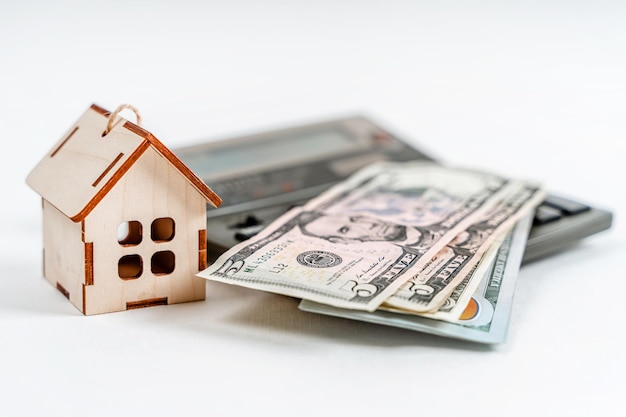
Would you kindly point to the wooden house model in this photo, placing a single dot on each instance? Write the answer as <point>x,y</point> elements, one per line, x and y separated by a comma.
<point>124,220</point>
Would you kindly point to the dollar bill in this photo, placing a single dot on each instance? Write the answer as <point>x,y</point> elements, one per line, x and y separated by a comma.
<point>487,315</point>
<point>430,288</point>
<point>457,302</point>
<point>356,244</point>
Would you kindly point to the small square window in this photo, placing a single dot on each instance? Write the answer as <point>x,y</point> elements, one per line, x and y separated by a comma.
<point>162,229</point>
<point>163,263</point>
<point>130,267</point>
<point>129,233</point>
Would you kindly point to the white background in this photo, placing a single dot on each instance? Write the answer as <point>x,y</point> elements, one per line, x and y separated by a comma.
<point>534,89</point>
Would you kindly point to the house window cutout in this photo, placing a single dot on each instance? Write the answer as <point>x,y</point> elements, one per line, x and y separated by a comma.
<point>163,263</point>
<point>162,229</point>
<point>129,233</point>
<point>130,267</point>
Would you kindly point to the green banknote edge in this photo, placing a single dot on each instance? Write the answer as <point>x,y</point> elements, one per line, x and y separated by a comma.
<point>498,291</point>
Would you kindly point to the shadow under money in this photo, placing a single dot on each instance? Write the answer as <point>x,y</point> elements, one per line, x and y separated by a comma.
<point>257,314</point>
<point>239,313</point>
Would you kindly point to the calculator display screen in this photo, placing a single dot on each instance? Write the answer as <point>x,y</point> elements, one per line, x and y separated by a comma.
<point>276,150</point>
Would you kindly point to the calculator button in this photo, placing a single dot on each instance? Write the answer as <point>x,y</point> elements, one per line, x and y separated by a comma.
<point>546,214</point>
<point>250,220</point>
<point>248,232</point>
<point>568,207</point>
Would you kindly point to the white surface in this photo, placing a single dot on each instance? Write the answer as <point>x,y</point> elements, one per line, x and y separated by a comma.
<point>534,89</point>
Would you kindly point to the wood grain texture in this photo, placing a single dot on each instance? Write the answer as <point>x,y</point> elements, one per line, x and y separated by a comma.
<point>64,253</point>
<point>90,185</point>
<point>202,253</point>
<point>66,179</point>
<point>151,302</point>
<point>110,183</point>
<point>63,142</point>
<point>88,263</point>
<point>212,198</point>
<point>63,291</point>
<point>78,173</point>
<point>107,169</point>
<point>168,194</point>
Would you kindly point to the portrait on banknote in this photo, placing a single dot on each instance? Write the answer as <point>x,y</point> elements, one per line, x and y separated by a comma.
<point>351,229</point>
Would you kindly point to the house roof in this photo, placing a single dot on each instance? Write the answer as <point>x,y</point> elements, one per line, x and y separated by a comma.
<point>85,165</point>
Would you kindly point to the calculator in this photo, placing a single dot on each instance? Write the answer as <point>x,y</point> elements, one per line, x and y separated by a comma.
<point>261,176</point>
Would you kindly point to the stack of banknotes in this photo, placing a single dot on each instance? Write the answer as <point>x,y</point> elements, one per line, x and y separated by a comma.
<point>415,245</point>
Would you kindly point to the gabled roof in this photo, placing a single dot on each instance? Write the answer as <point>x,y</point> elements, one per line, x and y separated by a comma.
<point>85,165</point>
